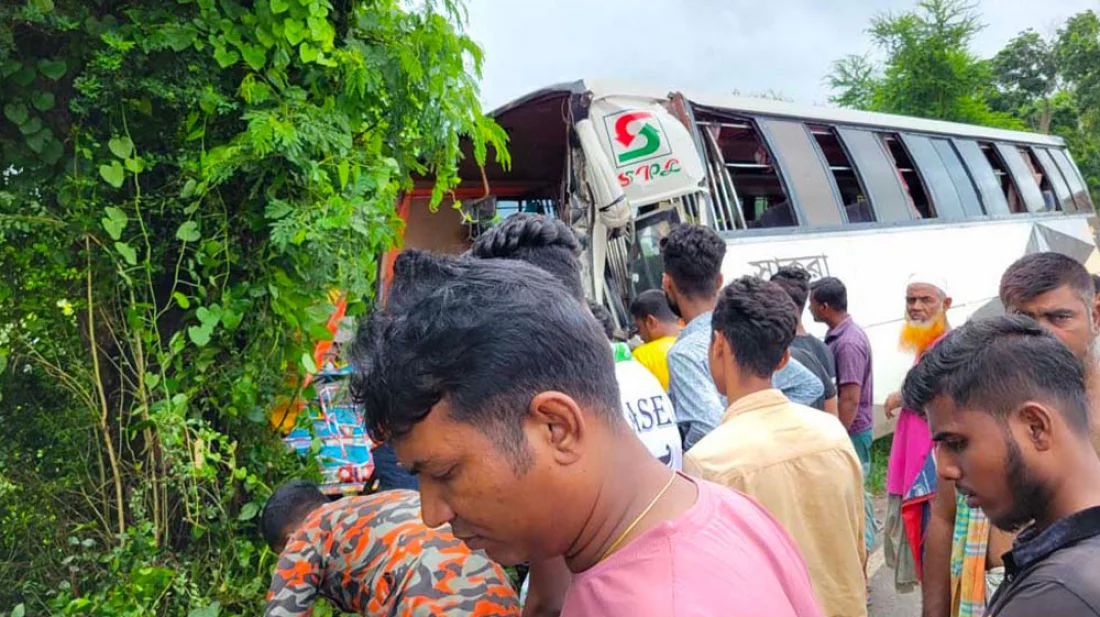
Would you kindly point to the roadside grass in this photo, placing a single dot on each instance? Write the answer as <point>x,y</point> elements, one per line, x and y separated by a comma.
<point>880,458</point>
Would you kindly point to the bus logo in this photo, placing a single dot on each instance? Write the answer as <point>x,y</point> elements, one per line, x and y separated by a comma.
<point>636,136</point>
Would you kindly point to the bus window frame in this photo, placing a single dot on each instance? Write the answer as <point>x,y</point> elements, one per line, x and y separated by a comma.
<point>1026,186</point>
<point>797,178</point>
<point>1070,171</point>
<point>879,175</point>
<point>1058,182</point>
<point>835,131</point>
<point>938,182</point>
<point>972,203</point>
<point>984,177</point>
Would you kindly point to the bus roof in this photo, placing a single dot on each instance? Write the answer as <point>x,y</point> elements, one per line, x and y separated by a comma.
<point>743,104</point>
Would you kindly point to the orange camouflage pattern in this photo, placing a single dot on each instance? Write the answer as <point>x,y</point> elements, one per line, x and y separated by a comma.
<point>374,556</point>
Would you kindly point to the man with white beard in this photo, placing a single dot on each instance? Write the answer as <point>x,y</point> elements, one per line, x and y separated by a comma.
<point>911,475</point>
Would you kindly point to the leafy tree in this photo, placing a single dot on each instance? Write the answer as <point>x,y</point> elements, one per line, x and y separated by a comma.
<point>855,78</point>
<point>928,68</point>
<point>1026,78</point>
<point>1078,53</point>
<point>185,183</point>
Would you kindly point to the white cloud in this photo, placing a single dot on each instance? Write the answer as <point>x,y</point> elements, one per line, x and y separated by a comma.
<point>786,46</point>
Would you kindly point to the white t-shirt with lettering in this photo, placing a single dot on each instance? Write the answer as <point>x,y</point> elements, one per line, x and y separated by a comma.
<point>648,411</point>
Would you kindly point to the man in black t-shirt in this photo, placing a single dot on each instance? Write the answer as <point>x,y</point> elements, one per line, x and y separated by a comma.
<point>806,348</point>
<point>1007,408</point>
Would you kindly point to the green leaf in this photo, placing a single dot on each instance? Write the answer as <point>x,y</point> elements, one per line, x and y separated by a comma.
<point>136,165</point>
<point>294,31</point>
<point>152,380</point>
<point>343,168</point>
<point>128,253</point>
<point>10,67</point>
<point>211,610</point>
<point>178,37</point>
<point>226,57</point>
<point>46,6</point>
<point>248,512</point>
<point>181,300</point>
<point>199,336</point>
<point>308,364</point>
<point>115,222</point>
<point>188,232</point>
<point>3,362</point>
<point>53,69</point>
<point>30,127</point>
<point>207,317</point>
<point>279,6</point>
<point>38,141</point>
<point>231,320</point>
<point>254,56</point>
<point>308,53</point>
<point>52,151</point>
<point>19,610</point>
<point>121,147</point>
<point>16,112</point>
<point>114,174</point>
<point>43,101</point>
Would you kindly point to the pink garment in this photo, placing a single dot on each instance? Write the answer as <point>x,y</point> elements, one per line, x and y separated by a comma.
<point>725,556</point>
<point>912,444</point>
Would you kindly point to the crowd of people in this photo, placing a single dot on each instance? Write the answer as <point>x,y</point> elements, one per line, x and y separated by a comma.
<point>720,468</point>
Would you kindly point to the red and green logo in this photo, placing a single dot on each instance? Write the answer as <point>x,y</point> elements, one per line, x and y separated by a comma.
<point>635,136</point>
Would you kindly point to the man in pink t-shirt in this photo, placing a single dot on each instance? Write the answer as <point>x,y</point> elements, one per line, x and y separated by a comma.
<point>497,389</point>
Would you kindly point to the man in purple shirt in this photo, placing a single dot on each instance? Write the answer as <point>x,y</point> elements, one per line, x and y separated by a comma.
<point>854,377</point>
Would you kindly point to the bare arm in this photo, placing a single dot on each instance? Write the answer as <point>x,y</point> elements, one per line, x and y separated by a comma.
<point>893,404</point>
<point>936,586</point>
<point>549,581</point>
<point>848,403</point>
<point>831,406</point>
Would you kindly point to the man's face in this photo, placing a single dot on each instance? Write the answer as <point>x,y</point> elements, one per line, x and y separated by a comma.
<point>466,480</point>
<point>817,309</point>
<point>1066,315</point>
<point>923,303</point>
<point>982,456</point>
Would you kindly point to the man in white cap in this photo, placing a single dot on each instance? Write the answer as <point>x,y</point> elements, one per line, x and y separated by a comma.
<point>911,475</point>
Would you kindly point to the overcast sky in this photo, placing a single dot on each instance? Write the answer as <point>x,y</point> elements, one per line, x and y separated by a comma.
<point>786,46</point>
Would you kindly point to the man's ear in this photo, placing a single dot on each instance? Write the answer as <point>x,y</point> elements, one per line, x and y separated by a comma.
<point>1037,421</point>
<point>721,282</point>
<point>1096,316</point>
<point>947,303</point>
<point>556,424</point>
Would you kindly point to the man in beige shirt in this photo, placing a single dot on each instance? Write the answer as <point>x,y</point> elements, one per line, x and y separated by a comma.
<point>797,462</point>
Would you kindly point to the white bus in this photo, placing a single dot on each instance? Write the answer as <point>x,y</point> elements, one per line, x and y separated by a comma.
<point>868,198</point>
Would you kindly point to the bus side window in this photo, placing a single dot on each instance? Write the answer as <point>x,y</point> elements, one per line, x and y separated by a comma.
<point>1024,179</point>
<point>857,206</point>
<point>986,178</point>
<point>1063,199</point>
<point>1073,177</point>
<point>1050,202</point>
<point>910,177</point>
<point>756,176</point>
<point>1016,205</point>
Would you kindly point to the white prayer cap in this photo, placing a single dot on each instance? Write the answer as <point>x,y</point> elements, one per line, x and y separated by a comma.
<point>929,278</point>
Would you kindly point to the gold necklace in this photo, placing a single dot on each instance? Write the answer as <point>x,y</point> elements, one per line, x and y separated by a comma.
<point>630,528</point>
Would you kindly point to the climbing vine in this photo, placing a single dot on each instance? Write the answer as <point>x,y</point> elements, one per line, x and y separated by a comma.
<point>185,183</point>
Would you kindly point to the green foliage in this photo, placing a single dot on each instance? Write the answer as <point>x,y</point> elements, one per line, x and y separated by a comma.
<point>1033,83</point>
<point>186,181</point>
<point>928,71</point>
